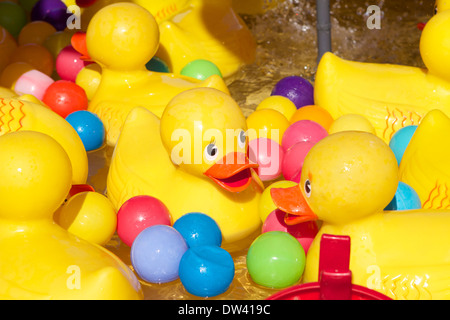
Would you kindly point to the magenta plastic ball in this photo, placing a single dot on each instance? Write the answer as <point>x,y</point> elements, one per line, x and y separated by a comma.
<point>293,160</point>
<point>303,130</point>
<point>269,155</point>
<point>297,89</point>
<point>304,232</point>
<point>69,64</point>
<point>139,213</point>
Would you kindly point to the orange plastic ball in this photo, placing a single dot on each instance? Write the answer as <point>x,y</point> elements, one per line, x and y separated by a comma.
<point>65,97</point>
<point>8,46</point>
<point>35,55</point>
<point>12,72</point>
<point>313,113</point>
<point>267,123</point>
<point>35,32</point>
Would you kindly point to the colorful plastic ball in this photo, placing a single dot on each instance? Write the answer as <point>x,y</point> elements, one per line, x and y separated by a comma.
<point>51,11</point>
<point>266,205</point>
<point>33,82</point>
<point>293,160</point>
<point>303,130</point>
<point>89,79</point>
<point>297,89</point>
<point>206,271</point>
<point>156,253</point>
<point>27,4</point>
<point>139,213</point>
<point>200,69</point>
<point>35,32</point>
<point>57,41</point>
<point>279,103</point>
<point>313,113</point>
<point>69,63</point>
<point>65,97</point>
<point>351,122</point>
<point>269,155</point>
<point>400,141</point>
<point>266,123</point>
<point>13,72</point>
<point>304,232</point>
<point>90,216</point>
<point>406,198</point>
<point>8,46</point>
<point>85,3</point>
<point>199,229</point>
<point>158,65</point>
<point>35,55</point>
<point>276,260</point>
<point>12,17</point>
<point>89,127</point>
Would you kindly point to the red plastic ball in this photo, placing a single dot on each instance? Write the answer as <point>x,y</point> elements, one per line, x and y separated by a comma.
<point>65,97</point>
<point>138,213</point>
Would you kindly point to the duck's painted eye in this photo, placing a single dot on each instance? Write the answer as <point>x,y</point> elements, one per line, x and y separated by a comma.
<point>435,10</point>
<point>211,152</point>
<point>307,188</point>
<point>242,139</point>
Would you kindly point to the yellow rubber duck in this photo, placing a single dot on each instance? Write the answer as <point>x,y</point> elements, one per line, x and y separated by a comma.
<point>38,258</point>
<point>195,29</point>
<point>390,96</point>
<point>20,113</point>
<point>347,180</point>
<point>122,38</point>
<point>425,165</point>
<point>193,160</point>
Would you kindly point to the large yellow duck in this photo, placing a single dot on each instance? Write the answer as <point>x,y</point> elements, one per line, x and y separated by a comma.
<point>347,180</point>
<point>122,38</point>
<point>425,165</point>
<point>19,113</point>
<point>193,159</point>
<point>391,96</point>
<point>195,29</point>
<point>38,258</point>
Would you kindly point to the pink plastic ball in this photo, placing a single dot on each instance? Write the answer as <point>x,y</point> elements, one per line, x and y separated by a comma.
<point>303,130</point>
<point>33,82</point>
<point>293,160</point>
<point>138,213</point>
<point>304,232</point>
<point>269,155</point>
<point>69,64</point>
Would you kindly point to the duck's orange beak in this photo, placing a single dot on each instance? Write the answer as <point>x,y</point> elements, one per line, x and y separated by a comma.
<point>233,172</point>
<point>78,42</point>
<point>292,201</point>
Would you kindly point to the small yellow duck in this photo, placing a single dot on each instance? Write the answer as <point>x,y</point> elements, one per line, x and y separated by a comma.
<point>347,180</point>
<point>390,96</point>
<point>425,164</point>
<point>122,38</point>
<point>20,113</point>
<point>193,160</point>
<point>38,258</point>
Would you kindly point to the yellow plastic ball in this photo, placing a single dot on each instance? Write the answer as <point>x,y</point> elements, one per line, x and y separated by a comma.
<point>35,32</point>
<point>313,113</point>
<point>58,41</point>
<point>351,122</point>
<point>279,103</point>
<point>90,216</point>
<point>267,123</point>
<point>89,79</point>
<point>266,205</point>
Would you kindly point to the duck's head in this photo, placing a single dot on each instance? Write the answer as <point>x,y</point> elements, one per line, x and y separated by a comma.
<point>204,132</point>
<point>346,176</point>
<point>435,41</point>
<point>36,175</point>
<point>122,36</point>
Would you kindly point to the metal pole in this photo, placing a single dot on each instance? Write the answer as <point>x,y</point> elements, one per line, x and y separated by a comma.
<point>323,27</point>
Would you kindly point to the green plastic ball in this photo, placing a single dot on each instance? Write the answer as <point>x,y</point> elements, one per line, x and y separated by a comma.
<point>27,4</point>
<point>12,17</point>
<point>276,260</point>
<point>200,69</point>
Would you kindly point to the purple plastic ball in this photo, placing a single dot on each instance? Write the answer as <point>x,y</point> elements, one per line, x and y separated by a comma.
<point>297,89</point>
<point>51,11</point>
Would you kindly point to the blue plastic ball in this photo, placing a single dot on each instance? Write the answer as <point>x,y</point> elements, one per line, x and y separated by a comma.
<point>156,253</point>
<point>89,127</point>
<point>158,65</point>
<point>406,198</point>
<point>400,141</point>
<point>199,229</point>
<point>206,271</point>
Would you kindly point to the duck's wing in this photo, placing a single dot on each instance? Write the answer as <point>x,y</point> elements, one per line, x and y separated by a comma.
<point>390,96</point>
<point>140,163</point>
